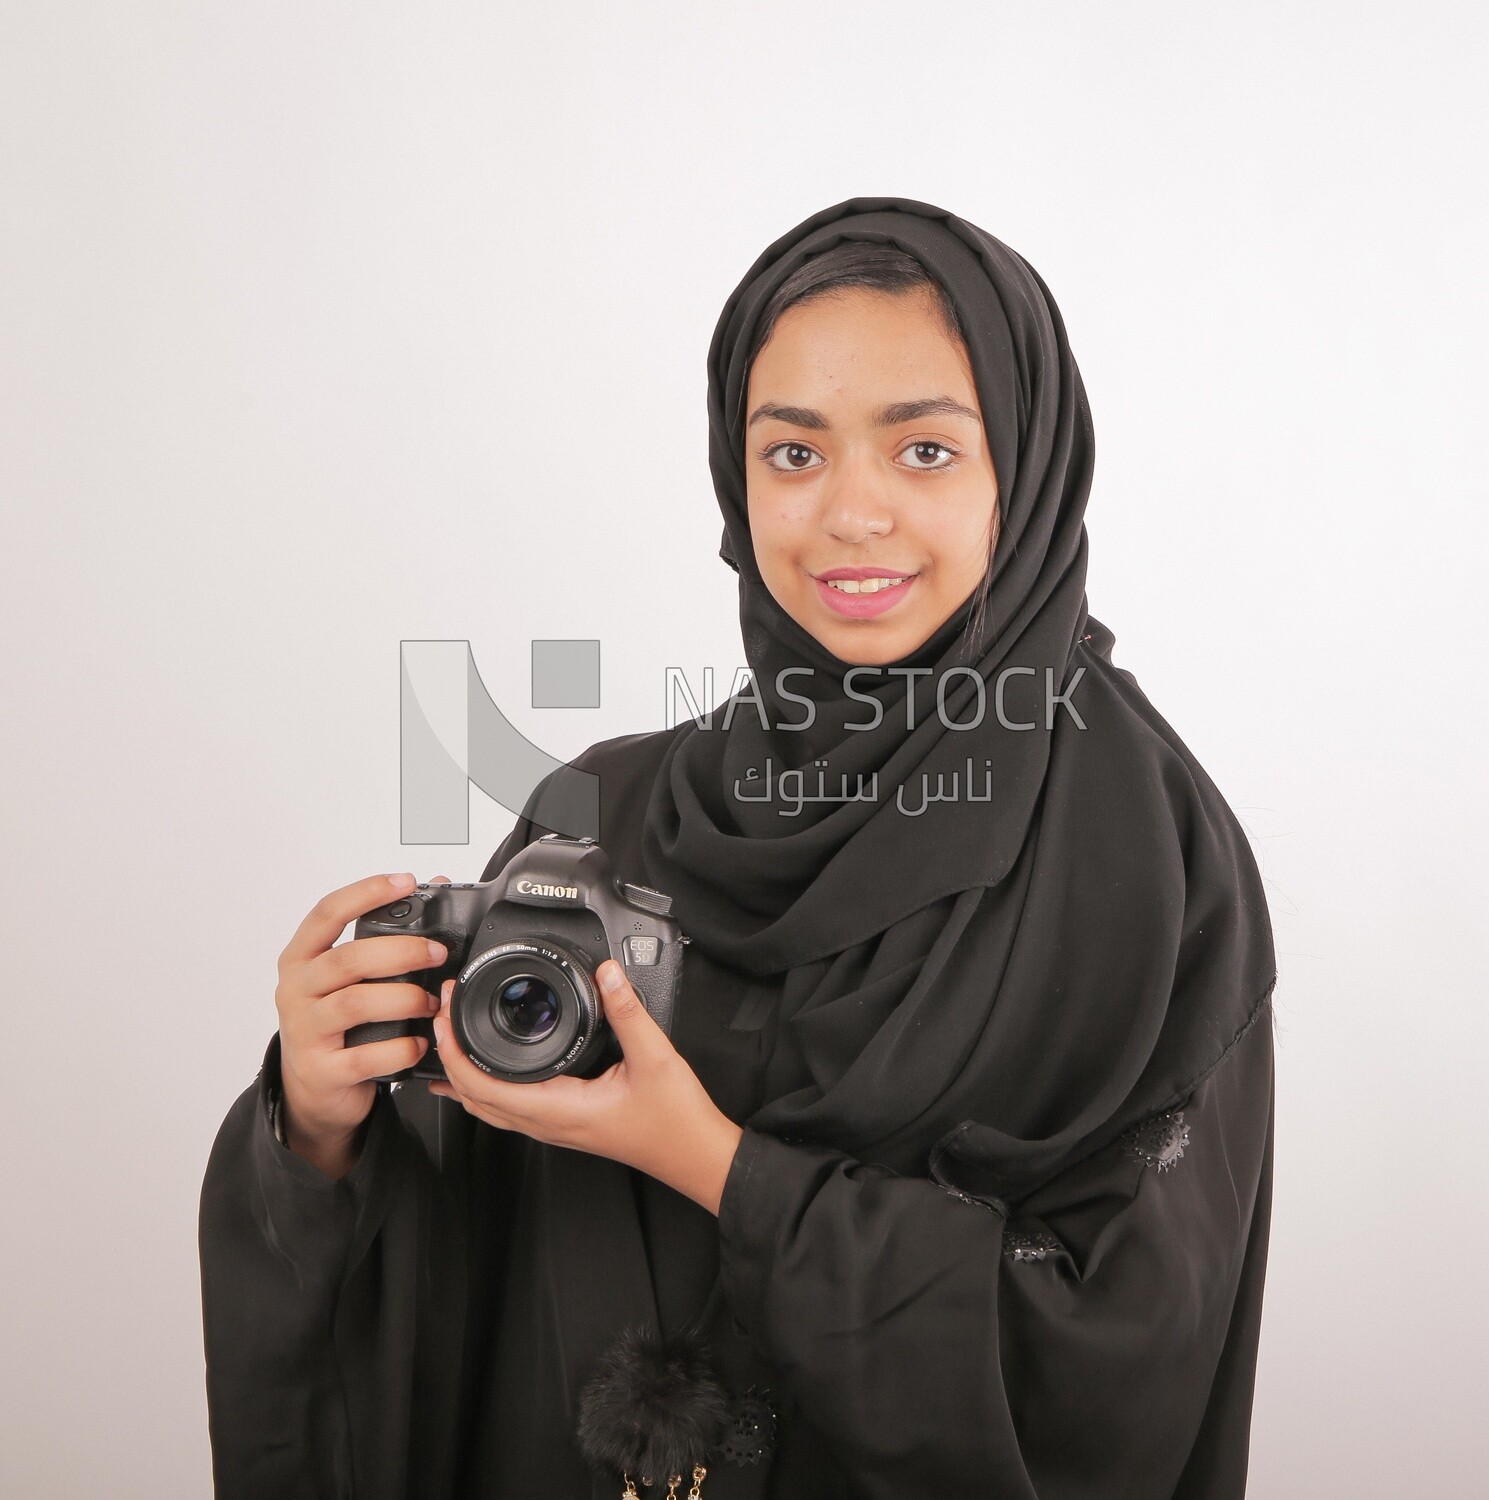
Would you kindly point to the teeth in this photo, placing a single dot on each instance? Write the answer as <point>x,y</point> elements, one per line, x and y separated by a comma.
<point>862,585</point>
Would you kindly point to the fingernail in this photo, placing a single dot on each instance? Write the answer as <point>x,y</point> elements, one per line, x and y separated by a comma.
<point>611,977</point>
<point>398,882</point>
<point>433,1004</point>
<point>437,952</point>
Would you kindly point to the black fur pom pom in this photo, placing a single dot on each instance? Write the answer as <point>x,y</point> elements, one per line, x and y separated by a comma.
<point>653,1407</point>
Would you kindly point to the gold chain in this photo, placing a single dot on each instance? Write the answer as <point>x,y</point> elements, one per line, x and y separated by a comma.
<point>696,1493</point>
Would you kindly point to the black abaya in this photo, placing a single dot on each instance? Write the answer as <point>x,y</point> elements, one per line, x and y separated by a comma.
<point>409,1333</point>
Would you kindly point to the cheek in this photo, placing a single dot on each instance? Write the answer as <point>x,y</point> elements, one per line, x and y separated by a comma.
<point>958,539</point>
<point>778,522</point>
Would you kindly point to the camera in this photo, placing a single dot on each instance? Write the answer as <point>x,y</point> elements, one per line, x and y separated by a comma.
<point>522,948</point>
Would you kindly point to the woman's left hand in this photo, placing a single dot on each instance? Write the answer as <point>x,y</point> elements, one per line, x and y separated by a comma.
<point>649,1110</point>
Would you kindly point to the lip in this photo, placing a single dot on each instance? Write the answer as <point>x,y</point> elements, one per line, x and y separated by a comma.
<point>865,573</point>
<point>861,606</point>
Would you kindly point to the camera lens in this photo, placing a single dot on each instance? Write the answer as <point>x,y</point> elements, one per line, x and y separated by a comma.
<point>526,1008</point>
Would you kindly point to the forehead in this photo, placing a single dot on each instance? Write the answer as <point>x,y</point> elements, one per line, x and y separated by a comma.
<point>860,341</point>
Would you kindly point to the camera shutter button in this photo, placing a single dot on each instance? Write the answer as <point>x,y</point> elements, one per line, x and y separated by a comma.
<point>647,899</point>
<point>399,910</point>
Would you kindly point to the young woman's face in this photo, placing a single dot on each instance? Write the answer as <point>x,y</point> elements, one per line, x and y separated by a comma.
<point>865,457</point>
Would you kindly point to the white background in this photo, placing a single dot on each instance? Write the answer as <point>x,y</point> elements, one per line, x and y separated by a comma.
<point>326,325</point>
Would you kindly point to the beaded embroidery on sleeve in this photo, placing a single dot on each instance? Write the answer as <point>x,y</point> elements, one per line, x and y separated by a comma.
<point>1159,1141</point>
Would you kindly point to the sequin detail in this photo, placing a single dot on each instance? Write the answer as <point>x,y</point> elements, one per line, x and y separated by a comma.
<point>1159,1141</point>
<point>1028,1244</point>
<point>751,1430</point>
<point>968,1198</point>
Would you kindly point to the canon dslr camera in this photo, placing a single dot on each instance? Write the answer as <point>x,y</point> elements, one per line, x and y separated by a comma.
<point>523,948</point>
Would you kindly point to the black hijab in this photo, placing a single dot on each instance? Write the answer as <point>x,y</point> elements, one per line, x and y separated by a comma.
<point>994,986</point>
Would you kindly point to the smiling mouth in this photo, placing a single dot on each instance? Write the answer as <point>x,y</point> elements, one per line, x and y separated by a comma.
<point>864,585</point>
<point>863,598</point>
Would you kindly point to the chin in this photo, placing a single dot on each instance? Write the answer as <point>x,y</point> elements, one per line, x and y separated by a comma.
<point>865,646</point>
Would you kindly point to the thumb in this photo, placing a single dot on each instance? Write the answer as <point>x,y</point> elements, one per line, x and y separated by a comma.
<point>637,1031</point>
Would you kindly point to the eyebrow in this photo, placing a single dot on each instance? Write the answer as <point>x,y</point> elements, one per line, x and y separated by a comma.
<point>887,416</point>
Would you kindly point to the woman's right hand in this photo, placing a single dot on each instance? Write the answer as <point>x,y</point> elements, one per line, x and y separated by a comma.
<point>328,1088</point>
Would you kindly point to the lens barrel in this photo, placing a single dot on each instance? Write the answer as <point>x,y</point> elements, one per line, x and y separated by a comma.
<point>526,1010</point>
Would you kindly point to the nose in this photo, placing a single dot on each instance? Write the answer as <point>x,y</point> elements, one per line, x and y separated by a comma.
<point>854,505</point>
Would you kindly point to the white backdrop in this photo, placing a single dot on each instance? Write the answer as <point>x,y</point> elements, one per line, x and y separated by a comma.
<point>327,325</point>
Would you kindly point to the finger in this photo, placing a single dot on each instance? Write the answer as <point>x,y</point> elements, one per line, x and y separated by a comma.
<point>465,1084</point>
<point>440,880</point>
<point>636,1029</point>
<point>469,1080</point>
<point>379,957</point>
<point>325,920</point>
<point>459,1069</point>
<point>356,1064</point>
<point>360,1003</point>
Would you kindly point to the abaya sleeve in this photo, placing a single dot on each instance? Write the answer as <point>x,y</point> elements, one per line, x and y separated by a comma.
<point>329,1305</point>
<point>298,1271</point>
<point>1097,1339</point>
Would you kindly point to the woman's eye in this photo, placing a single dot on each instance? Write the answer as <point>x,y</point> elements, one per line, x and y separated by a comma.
<point>918,448</point>
<point>798,457</point>
<point>796,454</point>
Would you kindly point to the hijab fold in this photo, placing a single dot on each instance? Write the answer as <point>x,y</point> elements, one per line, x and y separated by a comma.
<point>992,986</point>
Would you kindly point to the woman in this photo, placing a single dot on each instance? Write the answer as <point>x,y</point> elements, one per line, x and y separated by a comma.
<point>953,1176</point>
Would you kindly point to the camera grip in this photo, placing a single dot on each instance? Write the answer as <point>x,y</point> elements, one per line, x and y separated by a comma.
<point>384,1031</point>
<point>657,984</point>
